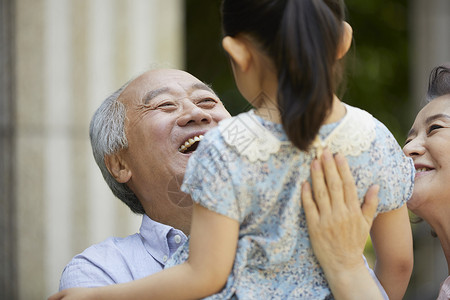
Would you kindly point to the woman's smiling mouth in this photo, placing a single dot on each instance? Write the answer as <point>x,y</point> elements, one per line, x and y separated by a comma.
<point>419,170</point>
<point>423,171</point>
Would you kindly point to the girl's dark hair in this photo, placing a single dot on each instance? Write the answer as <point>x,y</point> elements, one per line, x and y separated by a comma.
<point>302,39</point>
<point>439,82</point>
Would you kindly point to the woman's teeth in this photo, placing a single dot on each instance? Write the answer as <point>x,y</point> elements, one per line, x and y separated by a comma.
<point>189,143</point>
<point>422,169</point>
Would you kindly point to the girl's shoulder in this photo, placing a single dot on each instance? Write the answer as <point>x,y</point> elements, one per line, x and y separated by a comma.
<point>246,135</point>
<point>354,134</point>
<point>238,137</point>
<point>360,116</point>
<point>358,132</point>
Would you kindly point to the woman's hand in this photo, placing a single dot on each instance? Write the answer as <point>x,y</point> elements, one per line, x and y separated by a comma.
<point>339,226</point>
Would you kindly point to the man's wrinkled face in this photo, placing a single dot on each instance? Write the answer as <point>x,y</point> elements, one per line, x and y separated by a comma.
<point>168,111</point>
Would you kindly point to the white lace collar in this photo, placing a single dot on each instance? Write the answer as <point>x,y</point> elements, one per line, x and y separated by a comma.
<point>249,137</point>
<point>352,136</point>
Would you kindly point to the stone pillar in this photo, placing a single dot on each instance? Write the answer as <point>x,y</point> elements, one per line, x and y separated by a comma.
<point>8,262</point>
<point>430,42</point>
<point>70,55</point>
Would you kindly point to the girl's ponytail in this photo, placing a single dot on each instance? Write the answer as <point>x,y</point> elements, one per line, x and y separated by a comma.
<point>307,43</point>
<point>302,38</point>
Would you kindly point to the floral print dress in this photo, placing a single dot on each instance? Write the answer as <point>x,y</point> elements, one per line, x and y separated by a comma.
<point>247,170</point>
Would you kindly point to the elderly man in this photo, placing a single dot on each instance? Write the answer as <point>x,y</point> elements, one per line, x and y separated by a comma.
<point>142,137</point>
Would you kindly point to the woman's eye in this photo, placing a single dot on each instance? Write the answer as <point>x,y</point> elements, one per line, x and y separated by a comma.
<point>434,127</point>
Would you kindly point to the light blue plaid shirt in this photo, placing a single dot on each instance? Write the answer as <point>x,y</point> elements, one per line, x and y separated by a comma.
<point>118,260</point>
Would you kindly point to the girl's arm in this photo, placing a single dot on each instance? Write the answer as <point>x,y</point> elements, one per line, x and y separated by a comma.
<point>211,256</point>
<point>392,241</point>
<point>338,227</point>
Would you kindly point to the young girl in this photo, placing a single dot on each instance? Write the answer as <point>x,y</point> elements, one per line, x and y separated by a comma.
<point>248,235</point>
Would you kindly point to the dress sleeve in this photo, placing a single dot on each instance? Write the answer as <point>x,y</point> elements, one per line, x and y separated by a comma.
<point>208,176</point>
<point>395,171</point>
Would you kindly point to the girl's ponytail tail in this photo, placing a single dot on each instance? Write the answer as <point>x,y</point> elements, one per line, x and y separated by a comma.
<point>308,39</point>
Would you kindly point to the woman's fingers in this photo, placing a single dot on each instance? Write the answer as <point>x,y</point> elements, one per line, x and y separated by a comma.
<point>319,187</point>
<point>333,179</point>
<point>309,206</point>
<point>348,183</point>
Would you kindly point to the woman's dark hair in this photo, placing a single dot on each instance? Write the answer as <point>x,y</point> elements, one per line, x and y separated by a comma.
<point>302,38</point>
<point>439,82</point>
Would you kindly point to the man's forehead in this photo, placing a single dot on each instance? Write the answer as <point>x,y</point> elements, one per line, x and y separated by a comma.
<point>156,79</point>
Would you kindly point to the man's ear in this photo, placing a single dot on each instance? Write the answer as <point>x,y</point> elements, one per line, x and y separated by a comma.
<point>117,167</point>
<point>346,42</point>
<point>238,50</point>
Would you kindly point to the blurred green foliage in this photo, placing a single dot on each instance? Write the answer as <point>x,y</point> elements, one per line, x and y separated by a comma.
<point>205,57</point>
<point>377,65</point>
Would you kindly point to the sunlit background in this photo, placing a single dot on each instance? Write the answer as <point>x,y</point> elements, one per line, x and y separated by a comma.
<point>60,58</point>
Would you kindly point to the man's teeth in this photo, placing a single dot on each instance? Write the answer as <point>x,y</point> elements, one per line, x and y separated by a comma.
<point>190,142</point>
<point>422,169</point>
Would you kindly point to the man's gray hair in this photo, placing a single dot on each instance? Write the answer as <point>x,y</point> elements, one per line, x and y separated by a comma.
<point>107,133</point>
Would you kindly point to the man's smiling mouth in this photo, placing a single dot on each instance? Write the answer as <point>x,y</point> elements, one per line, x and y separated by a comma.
<point>191,144</point>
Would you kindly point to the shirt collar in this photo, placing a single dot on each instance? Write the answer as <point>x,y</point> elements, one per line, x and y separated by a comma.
<point>160,240</point>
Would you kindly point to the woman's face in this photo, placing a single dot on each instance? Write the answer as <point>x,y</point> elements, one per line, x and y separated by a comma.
<point>428,144</point>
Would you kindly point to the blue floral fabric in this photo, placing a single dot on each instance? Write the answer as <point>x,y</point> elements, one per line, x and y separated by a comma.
<point>274,259</point>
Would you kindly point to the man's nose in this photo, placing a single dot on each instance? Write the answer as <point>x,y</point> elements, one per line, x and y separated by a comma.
<point>415,147</point>
<point>192,114</point>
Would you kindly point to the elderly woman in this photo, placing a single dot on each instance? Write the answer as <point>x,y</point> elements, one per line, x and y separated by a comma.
<point>336,208</point>
<point>428,144</point>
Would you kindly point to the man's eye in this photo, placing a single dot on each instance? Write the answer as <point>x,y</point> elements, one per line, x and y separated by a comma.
<point>207,102</point>
<point>166,105</point>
